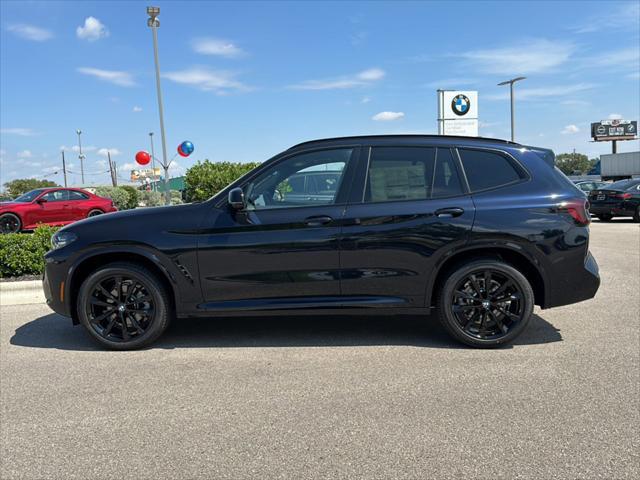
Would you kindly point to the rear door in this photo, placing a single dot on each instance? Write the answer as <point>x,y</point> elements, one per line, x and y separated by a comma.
<point>79,205</point>
<point>409,206</point>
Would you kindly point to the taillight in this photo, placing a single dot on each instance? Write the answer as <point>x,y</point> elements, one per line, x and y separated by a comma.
<point>624,196</point>
<point>578,209</point>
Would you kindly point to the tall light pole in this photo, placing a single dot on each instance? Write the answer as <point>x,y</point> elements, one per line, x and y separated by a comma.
<point>153,162</point>
<point>154,23</point>
<point>80,155</point>
<point>510,83</point>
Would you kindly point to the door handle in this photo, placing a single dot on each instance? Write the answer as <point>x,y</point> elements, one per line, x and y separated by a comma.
<point>449,212</point>
<point>318,221</point>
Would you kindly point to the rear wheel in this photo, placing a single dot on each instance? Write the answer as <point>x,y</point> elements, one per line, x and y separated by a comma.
<point>10,223</point>
<point>605,217</point>
<point>124,306</point>
<point>94,213</point>
<point>485,303</point>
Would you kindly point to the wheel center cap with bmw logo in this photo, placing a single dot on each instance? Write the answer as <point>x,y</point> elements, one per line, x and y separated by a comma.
<point>460,105</point>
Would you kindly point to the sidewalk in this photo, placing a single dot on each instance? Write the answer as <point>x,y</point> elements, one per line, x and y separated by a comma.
<point>21,293</point>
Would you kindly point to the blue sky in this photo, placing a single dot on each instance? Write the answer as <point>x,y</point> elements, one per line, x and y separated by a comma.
<point>244,80</point>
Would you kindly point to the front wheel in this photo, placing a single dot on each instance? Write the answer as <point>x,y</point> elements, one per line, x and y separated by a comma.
<point>123,306</point>
<point>485,303</point>
<point>605,217</point>
<point>10,223</point>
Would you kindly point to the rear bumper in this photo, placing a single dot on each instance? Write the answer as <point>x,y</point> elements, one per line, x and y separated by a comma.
<point>582,284</point>
<point>619,209</point>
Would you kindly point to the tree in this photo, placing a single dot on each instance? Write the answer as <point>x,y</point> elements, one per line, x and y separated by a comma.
<point>23,185</point>
<point>206,178</point>
<point>573,163</point>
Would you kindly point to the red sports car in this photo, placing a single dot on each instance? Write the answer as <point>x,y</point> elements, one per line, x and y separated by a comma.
<point>51,206</point>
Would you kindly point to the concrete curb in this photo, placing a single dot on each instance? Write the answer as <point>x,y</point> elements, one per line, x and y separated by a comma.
<point>21,293</point>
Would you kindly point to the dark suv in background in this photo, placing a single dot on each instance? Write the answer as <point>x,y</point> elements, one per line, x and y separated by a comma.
<point>478,229</point>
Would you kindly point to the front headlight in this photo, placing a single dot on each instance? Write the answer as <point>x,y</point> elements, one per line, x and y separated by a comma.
<point>62,239</point>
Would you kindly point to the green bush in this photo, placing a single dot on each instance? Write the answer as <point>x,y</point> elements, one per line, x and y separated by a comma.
<point>206,178</point>
<point>23,253</point>
<point>125,197</point>
<point>149,198</point>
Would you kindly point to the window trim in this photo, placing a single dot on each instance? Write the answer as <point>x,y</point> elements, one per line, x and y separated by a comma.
<point>522,172</point>
<point>366,164</point>
<point>344,189</point>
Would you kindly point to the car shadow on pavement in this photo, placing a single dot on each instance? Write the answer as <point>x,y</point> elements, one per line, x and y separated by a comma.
<point>54,331</point>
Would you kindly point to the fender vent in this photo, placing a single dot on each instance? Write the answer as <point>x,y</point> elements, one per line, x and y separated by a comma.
<point>184,270</point>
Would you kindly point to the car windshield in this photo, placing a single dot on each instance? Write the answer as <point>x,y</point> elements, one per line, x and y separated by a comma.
<point>623,184</point>
<point>29,196</point>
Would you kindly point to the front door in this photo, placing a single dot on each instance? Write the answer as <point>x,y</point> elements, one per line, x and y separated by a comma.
<point>408,205</point>
<point>53,207</point>
<point>281,251</point>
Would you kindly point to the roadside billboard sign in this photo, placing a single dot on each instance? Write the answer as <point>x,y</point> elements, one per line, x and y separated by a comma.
<point>607,130</point>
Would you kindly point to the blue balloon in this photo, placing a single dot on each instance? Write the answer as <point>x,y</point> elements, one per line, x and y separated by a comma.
<point>186,148</point>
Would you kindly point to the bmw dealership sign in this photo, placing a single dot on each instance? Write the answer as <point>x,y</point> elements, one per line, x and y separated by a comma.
<point>458,113</point>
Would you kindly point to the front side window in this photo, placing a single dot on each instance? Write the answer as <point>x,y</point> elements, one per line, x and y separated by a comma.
<point>56,196</point>
<point>306,179</point>
<point>487,169</point>
<point>411,173</point>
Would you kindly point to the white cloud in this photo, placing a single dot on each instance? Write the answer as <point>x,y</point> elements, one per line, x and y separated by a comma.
<point>23,132</point>
<point>216,46</point>
<point>218,81</point>
<point>24,154</point>
<point>92,30</point>
<point>541,92</point>
<point>30,32</point>
<point>623,17</point>
<point>534,56</point>
<point>365,100</point>
<point>103,152</point>
<point>76,148</point>
<point>450,83</point>
<point>615,116</point>
<point>124,79</point>
<point>366,77</point>
<point>136,108</point>
<point>626,57</point>
<point>570,129</point>
<point>387,116</point>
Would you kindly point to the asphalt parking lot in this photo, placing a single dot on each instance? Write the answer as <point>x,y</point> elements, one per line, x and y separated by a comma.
<point>350,397</point>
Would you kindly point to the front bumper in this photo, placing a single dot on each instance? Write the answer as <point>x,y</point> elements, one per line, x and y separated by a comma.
<point>55,287</point>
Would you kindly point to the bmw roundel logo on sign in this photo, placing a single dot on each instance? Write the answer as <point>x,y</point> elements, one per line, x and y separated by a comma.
<point>460,105</point>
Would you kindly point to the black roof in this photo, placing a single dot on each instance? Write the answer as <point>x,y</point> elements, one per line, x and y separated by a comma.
<point>406,136</point>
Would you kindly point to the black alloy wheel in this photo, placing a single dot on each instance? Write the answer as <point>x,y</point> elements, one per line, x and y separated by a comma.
<point>123,306</point>
<point>486,303</point>
<point>10,223</point>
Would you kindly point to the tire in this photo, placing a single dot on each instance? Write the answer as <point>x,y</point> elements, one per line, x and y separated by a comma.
<point>94,213</point>
<point>636,215</point>
<point>147,306</point>
<point>10,223</point>
<point>605,217</point>
<point>457,303</point>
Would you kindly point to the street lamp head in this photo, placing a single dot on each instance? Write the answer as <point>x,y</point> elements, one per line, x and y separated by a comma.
<point>153,13</point>
<point>513,80</point>
<point>151,134</point>
<point>78,131</point>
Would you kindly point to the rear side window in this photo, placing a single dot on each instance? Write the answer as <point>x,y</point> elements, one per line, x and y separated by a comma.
<point>410,173</point>
<point>487,169</point>
<point>73,195</point>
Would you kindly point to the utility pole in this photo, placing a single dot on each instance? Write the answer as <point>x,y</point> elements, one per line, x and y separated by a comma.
<point>511,96</point>
<point>154,23</point>
<point>153,163</point>
<point>111,172</point>
<point>80,155</point>
<point>64,169</point>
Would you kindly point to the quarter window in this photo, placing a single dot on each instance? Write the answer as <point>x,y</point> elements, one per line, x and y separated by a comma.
<point>411,173</point>
<point>307,179</point>
<point>487,169</point>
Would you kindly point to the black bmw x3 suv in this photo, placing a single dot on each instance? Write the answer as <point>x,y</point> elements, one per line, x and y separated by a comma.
<point>479,230</point>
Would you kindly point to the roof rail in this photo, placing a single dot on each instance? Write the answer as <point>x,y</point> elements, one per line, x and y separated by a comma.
<point>354,137</point>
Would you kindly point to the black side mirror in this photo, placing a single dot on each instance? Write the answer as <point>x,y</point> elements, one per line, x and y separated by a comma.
<point>41,200</point>
<point>236,199</point>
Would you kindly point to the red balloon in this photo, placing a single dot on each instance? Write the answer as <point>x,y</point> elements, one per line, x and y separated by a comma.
<point>181,153</point>
<point>143,158</point>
